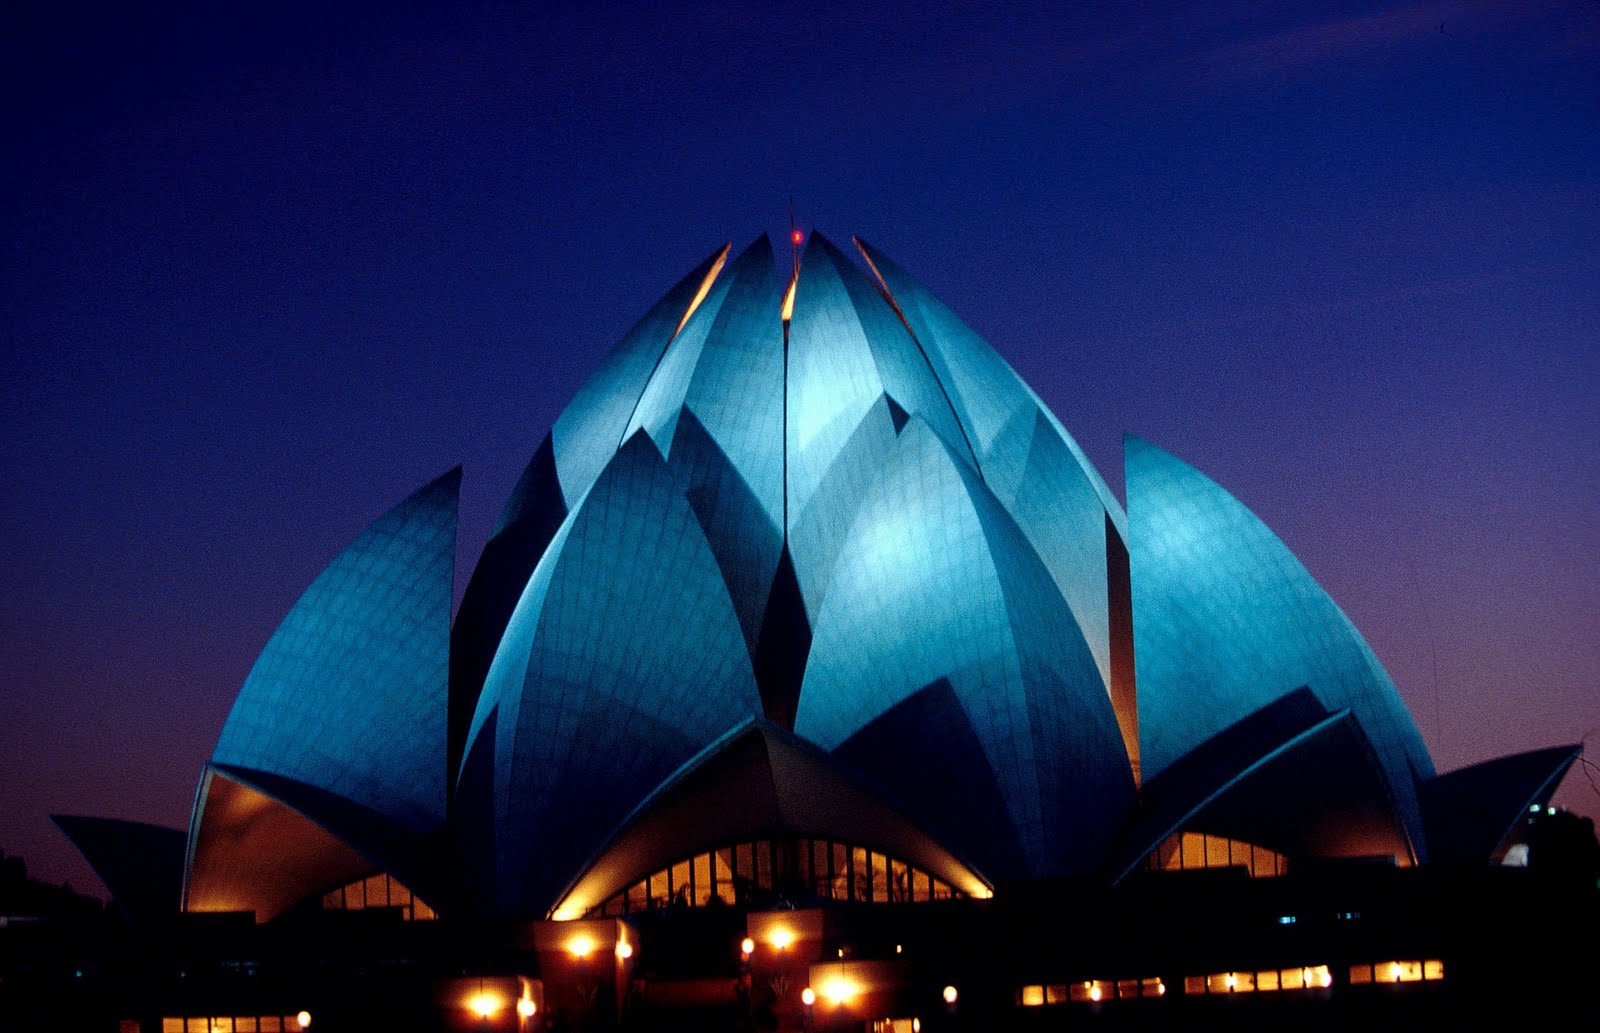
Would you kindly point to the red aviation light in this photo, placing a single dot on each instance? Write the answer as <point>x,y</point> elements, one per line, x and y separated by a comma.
<point>796,237</point>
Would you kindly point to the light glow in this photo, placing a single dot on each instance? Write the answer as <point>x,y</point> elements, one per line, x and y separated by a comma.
<point>526,1007</point>
<point>950,995</point>
<point>808,997</point>
<point>303,1019</point>
<point>747,946</point>
<point>839,990</point>
<point>788,300</point>
<point>581,945</point>
<point>780,937</point>
<point>1094,993</point>
<point>699,296</point>
<point>624,950</point>
<point>483,1004</point>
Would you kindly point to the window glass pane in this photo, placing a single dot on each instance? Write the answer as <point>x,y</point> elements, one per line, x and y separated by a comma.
<point>333,900</point>
<point>171,1025</point>
<point>198,1025</point>
<point>722,862</point>
<point>702,879</point>
<point>1127,988</point>
<point>1293,979</point>
<point>377,891</point>
<point>272,1024</point>
<point>802,863</point>
<point>764,864</point>
<point>1216,852</point>
<point>660,892</point>
<point>1360,974</point>
<point>1267,980</point>
<point>841,872</point>
<point>399,896</point>
<point>680,883</point>
<point>1433,970</point>
<point>1194,984</point>
<point>899,882</point>
<point>880,878</point>
<point>1031,996</point>
<point>245,1024</point>
<point>1194,850</point>
<point>860,875</point>
<point>1055,993</point>
<point>638,897</point>
<point>920,889</point>
<point>742,864</point>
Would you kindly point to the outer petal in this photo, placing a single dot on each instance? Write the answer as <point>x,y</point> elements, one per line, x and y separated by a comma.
<point>1226,621</point>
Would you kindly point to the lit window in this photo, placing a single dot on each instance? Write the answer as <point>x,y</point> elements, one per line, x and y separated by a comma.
<point>1185,851</point>
<point>833,871</point>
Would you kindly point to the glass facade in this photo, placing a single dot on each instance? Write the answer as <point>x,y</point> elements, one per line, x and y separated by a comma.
<point>1187,851</point>
<point>764,870</point>
<point>378,891</point>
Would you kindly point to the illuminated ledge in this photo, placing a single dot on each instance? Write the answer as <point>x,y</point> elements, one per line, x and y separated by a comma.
<point>1291,777</point>
<point>260,842</point>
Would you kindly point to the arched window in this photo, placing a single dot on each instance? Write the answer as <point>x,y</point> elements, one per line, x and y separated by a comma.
<point>762,870</point>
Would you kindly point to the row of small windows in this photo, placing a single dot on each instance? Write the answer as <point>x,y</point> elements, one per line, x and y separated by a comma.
<point>1089,991</point>
<point>235,1023</point>
<point>1306,977</point>
<point>379,890</point>
<point>792,868</point>
<point>1397,972</point>
<point>1185,851</point>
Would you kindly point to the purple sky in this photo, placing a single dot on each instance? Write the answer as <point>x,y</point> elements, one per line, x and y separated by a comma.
<point>261,277</point>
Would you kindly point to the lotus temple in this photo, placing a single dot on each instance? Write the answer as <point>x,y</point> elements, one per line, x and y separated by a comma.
<point>813,678</point>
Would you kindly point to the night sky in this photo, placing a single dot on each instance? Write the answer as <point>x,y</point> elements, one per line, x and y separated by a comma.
<point>262,276</point>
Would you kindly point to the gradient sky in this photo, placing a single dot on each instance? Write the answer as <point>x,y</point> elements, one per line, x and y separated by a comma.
<point>262,274</point>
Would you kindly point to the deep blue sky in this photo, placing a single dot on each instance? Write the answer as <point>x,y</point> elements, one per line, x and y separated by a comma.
<point>262,274</point>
